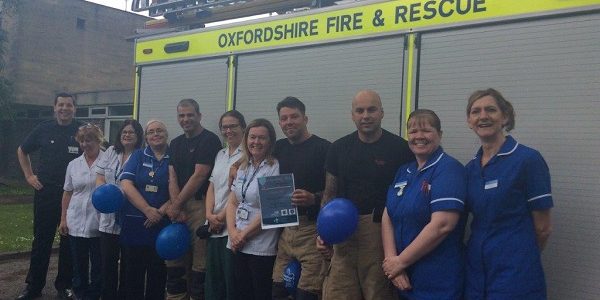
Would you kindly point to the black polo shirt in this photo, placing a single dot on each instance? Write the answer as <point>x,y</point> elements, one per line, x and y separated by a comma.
<point>57,146</point>
<point>364,171</point>
<point>307,162</point>
<point>186,153</point>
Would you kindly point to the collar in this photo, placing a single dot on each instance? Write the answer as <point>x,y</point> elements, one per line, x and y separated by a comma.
<point>251,164</point>
<point>509,146</point>
<point>148,152</point>
<point>434,158</point>
<point>237,150</point>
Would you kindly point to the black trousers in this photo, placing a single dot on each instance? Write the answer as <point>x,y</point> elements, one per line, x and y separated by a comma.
<point>87,279</point>
<point>145,274</point>
<point>46,217</point>
<point>113,267</point>
<point>253,276</point>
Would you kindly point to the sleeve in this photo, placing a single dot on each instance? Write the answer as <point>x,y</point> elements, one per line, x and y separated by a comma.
<point>235,180</point>
<point>448,188</point>
<point>103,163</point>
<point>32,141</point>
<point>275,170</point>
<point>211,178</point>
<point>331,161</point>
<point>172,147</point>
<point>68,186</point>
<point>130,168</point>
<point>207,157</point>
<point>538,191</point>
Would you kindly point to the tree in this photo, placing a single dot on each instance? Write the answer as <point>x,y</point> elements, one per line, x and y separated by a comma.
<point>7,7</point>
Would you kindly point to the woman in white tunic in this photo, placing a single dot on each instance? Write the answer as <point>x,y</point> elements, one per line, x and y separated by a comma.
<point>219,260</point>
<point>79,218</point>
<point>254,248</point>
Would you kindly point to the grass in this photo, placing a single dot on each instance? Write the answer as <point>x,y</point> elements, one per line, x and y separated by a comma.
<point>16,227</point>
<point>16,230</point>
<point>15,190</point>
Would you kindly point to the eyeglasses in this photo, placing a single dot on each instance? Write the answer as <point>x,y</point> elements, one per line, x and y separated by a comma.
<point>127,132</point>
<point>230,127</point>
<point>155,131</point>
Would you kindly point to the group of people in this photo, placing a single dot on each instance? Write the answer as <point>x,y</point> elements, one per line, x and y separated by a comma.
<point>413,200</point>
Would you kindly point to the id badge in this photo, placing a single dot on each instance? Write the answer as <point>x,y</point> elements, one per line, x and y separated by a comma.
<point>151,188</point>
<point>73,150</point>
<point>242,213</point>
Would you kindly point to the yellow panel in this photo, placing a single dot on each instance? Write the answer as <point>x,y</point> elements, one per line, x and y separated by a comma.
<point>136,100</point>
<point>408,107</point>
<point>231,81</point>
<point>356,21</point>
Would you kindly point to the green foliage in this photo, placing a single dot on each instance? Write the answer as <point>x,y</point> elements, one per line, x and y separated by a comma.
<point>6,87</point>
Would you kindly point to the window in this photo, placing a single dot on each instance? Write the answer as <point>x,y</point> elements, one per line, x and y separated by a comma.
<point>120,110</point>
<point>98,112</point>
<point>80,23</point>
<point>83,112</point>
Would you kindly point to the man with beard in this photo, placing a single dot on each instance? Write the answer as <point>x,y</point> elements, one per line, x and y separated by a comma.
<point>193,156</point>
<point>302,154</point>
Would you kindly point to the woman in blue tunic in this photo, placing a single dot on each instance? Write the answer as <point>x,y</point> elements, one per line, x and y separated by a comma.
<point>510,198</point>
<point>145,182</point>
<point>423,222</point>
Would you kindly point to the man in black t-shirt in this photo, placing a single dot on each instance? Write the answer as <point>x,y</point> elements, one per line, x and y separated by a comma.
<point>192,158</point>
<point>302,154</point>
<point>55,140</point>
<point>360,167</point>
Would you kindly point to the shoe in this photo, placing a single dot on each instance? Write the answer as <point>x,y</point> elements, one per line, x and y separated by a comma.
<point>65,294</point>
<point>27,294</point>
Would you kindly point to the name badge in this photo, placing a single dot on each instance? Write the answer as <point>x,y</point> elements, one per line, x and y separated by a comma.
<point>147,164</point>
<point>492,184</point>
<point>400,186</point>
<point>73,150</point>
<point>242,213</point>
<point>151,188</point>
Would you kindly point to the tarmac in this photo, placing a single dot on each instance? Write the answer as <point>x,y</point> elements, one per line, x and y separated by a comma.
<point>13,270</point>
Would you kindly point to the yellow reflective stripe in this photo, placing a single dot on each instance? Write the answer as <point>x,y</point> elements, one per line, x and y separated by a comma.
<point>136,87</point>
<point>409,80</point>
<point>349,22</point>
<point>231,82</point>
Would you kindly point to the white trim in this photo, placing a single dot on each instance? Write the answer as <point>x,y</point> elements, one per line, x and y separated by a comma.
<point>447,199</point>
<point>509,152</point>
<point>433,163</point>
<point>538,197</point>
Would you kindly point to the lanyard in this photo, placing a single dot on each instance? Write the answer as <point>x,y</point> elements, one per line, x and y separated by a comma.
<point>118,171</point>
<point>249,181</point>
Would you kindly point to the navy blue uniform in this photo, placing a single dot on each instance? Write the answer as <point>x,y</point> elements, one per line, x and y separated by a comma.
<point>503,258</point>
<point>146,271</point>
<point>143,169</point>
<point>57,147</point>
<point>412,197</point>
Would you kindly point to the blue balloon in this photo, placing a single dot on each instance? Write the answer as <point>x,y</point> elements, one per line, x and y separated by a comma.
<point>291,276</point>
<point>337,221</point>
<point>173,241</point>
<point>107,198</point>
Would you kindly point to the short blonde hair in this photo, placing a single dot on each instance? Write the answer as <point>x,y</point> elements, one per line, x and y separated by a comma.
<point>89,131</point>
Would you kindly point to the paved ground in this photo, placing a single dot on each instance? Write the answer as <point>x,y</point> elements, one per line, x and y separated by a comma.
<point>13,272</point>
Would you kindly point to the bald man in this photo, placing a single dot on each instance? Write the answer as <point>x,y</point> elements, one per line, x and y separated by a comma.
<point>360,167</point>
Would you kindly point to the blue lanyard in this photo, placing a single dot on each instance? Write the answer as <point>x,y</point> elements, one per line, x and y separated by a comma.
<point>249,181</point>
